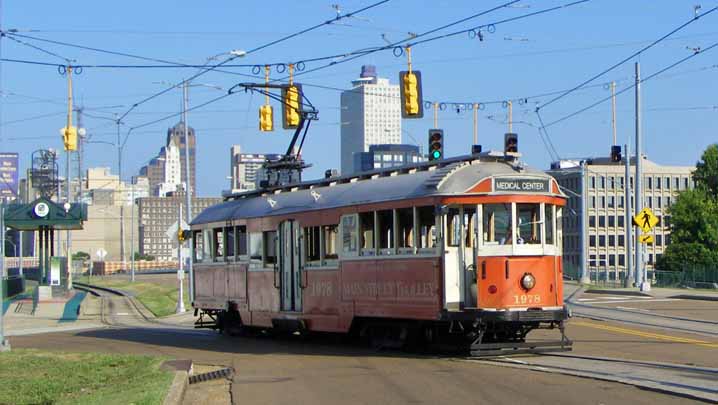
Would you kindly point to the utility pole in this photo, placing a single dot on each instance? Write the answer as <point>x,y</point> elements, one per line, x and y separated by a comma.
<point>511,115</point>
<point>613,111</point>
<point>4,344</point>
<point>629,217</point>
<point>188,183</point>
<point>476,123</point>
<point>180,272</point>
<point>638,194</point>
<point>584,278</point>
<point>132,236</point>
<point>436,115</point>
<point>122,203</point>
<point>68,237</point>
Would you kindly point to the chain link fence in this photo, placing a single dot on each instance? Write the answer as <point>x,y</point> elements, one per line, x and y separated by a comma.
<point>689,277</point>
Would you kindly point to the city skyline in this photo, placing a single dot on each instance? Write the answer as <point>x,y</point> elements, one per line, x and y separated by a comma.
<point>460,69</point>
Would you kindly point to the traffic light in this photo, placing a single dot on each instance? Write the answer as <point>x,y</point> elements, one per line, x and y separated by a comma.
<point>69,138</point>
<point>412,105</point>
<point>436,144</point>
<point>511,143</point>
<point>616,153</point>
<point>291,106</point>
<point>266,118</point>
<point>183,235</point>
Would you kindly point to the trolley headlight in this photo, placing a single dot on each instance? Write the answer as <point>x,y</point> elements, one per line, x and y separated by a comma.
<point>528,281</point>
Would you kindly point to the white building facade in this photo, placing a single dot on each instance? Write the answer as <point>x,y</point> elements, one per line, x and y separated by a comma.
<point>370,115</point>
<point>601,246</point>
<point>172,169</point>
<point>246,168</point>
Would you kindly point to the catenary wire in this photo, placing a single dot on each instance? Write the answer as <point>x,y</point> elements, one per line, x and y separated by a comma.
<point>629,57</point>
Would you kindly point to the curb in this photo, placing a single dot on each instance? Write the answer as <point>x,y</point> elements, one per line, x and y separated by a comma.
<point>619,292</point>
<point>175,395</point>
<point>695,297</point>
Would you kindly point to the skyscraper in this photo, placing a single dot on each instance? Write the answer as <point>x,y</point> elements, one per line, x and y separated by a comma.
<point>370,115</point>
<point>246,167</point>
<point>176,133</point>
<point>156,171</point>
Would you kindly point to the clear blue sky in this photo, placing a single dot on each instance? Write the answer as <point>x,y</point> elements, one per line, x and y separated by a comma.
<point>532,56</point>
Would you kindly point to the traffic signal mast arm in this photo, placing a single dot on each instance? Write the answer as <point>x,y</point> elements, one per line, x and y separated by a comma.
<point>305,115</point>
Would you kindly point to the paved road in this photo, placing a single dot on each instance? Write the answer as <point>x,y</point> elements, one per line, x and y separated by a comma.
<point>325,370</point>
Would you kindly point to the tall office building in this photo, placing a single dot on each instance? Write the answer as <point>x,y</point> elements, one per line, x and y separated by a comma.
<point>246,168</point>
<point>602,184</point>
<point>157,214</point>
<point>384,156</point>
<point>370,115</point>
<point>157,171</point>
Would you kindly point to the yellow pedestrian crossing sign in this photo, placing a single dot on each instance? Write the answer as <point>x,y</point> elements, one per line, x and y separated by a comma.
<point>645,220</point>
<point>646,238</point>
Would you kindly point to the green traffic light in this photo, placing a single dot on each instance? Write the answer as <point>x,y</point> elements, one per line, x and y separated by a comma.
<point>436,154</point>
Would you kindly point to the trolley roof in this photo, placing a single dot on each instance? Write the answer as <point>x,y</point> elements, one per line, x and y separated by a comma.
<point>448,177</point>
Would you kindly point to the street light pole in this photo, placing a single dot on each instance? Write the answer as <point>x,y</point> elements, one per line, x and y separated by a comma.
<point>122,205</point>
<point>4,344</point>
<point>188,185</point>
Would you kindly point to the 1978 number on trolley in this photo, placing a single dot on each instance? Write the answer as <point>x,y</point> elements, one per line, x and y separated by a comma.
<point>527,299</point>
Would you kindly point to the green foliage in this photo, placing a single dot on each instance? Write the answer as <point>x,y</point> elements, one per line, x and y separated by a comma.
<point>706,174</point>
<point>84,256</point>
<point>42,377</point>
<point>694,220</point>
<point>148,258</point>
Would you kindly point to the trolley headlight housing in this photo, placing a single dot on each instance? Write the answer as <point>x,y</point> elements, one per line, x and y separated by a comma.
<point>528,281</point>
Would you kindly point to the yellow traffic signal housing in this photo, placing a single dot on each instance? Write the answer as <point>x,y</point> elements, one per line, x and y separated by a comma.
<point>412,105</point>
<point>291,106</point>
<point>266,118</point>
<point>183,235</point>
<point>69,138</point>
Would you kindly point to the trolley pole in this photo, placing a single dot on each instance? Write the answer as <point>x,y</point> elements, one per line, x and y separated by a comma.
<point>629,217</point>
<point>638,195</point>
<point>180,271</point>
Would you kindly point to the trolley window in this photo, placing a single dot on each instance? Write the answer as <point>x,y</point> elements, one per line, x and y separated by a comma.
<point>405,222</point>
<point>453,223</point>
<point>255,246</point>
<point>218,244</point>
<point>385,226</point>
<point>331,235</point>
<point>207,245</point>
<point>366,231</point>
<point>270,247</point>
<point>549,224</point>
<point>230,242</point>
<point>313,250</point>
<point>529,223</point>
<point>349,235</point>
<point>241,240</point>
<point>426,224</point>
<point>497,224</point>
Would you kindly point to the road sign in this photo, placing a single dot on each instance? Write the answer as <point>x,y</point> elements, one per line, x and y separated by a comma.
<point>646,238</point>
<point>172,231</point>
<point>645,220</point>
<point>101,253</point>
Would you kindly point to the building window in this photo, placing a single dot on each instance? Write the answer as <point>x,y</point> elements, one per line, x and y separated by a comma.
<point>592,241</point>
<point>592,221</point>
<point>667,182</point>
<point>601,240</point>
<point>621,260</point>
<point>621,201</point>
<point>621,221</point>
<point>659,240</point>
<point>611,240</point>
<point>676,183</point>
<point>602,221</point>
<point>612,182</point>
<point>593,182</point>
<point>602,182</point>
<point>649,182</point>
<point>621,240</point>
<point>603,202</point>
<point>592,202</point>
<point>611,221</point>
<point>611,202</point>
<point>658,183</point>
<point>611,260</point>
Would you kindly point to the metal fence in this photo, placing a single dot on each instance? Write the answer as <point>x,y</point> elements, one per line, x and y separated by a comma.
<point>691,277</point>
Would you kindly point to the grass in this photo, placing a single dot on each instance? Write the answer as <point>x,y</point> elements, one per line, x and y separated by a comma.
<point>159,298</point>
<point>42,377</point>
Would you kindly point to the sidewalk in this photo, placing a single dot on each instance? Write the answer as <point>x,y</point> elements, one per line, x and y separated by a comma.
<point>570,287</point>
<point>77,311</point>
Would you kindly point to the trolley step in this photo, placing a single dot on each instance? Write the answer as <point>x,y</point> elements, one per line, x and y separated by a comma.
<point>508,349</point>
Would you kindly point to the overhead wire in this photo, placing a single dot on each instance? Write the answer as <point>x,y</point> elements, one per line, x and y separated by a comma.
<point>37,48</point>
<point>629,57</point>
<point>671,66</point>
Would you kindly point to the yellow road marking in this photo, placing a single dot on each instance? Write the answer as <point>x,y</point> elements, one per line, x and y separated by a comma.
<point>646,334</point>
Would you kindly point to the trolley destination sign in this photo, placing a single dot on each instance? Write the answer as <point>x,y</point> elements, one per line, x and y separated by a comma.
<point>530,185</point>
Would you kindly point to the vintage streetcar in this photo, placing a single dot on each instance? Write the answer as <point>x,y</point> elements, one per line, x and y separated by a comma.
<point>463,251</point>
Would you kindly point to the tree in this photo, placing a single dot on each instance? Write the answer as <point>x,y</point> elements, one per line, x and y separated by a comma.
<point>138,256</point>
<point>84,256</point>
<point>706,174</point>
<point>694,220</point>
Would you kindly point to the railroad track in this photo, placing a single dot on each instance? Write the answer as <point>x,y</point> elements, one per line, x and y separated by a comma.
<point>694,382</point>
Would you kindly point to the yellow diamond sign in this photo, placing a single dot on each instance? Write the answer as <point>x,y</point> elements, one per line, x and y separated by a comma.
<point>646,238</point>
<point>645,220</point>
